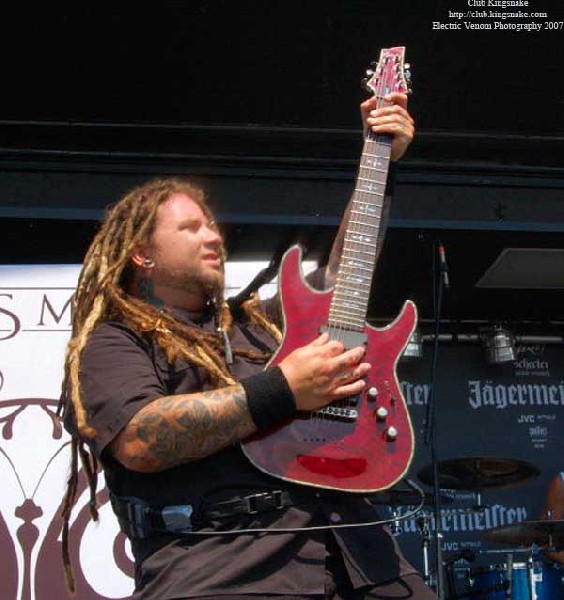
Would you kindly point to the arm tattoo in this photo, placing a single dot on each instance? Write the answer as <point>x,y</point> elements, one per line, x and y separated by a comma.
<point>175,429</point>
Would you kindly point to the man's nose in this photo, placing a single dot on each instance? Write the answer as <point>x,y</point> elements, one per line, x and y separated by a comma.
<point>213,236</point>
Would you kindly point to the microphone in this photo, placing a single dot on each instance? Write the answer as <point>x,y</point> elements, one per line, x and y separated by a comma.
<point>444,266</point>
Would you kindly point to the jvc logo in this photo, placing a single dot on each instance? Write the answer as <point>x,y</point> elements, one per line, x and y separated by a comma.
<point>526,419</point>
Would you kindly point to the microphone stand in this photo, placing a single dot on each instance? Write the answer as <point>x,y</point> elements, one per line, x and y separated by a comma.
<point>430,420</point>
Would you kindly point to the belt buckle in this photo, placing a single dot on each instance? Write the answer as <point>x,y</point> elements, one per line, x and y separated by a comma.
<point>277,495</point>
<point>252,501</point>
<point>177,518</point>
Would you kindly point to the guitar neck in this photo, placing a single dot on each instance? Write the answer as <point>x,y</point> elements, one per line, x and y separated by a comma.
<point>363,237</point>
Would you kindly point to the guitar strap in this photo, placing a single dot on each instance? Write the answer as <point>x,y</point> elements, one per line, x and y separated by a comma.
<point>262,277</point>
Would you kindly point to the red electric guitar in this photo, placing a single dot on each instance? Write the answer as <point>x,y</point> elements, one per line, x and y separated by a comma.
<point>365,442</point>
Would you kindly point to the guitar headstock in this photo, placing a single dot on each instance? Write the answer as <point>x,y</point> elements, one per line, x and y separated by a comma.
<point>389,74</point>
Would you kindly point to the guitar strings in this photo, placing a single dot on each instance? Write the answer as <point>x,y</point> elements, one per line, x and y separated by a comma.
<point>366,248</point>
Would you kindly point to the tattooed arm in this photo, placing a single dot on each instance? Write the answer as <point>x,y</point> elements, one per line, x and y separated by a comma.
<point>176,429</point>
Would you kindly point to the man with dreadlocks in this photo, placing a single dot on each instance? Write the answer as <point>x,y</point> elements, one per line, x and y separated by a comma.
<point>162,380</point>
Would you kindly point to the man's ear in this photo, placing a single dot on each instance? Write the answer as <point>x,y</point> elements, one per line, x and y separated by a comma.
<point>141,258</point>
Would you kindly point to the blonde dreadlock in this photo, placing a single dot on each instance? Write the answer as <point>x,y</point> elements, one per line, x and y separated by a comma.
<point>101,295</point>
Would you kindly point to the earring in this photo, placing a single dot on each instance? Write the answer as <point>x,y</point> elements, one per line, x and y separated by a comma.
<point>149,263</point>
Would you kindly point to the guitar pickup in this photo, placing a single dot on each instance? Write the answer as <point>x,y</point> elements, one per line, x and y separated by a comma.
<point>350,339</point>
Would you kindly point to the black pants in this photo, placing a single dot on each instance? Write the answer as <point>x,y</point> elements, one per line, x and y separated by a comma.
<point>338,587</point>
<point>411,587</point>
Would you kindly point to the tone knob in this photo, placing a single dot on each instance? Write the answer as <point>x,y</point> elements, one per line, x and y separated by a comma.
<point>381,413</point>
<point>372,393</point>
<point>391,434</point>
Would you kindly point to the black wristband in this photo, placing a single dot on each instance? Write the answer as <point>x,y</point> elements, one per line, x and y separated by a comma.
<point>269,398</point>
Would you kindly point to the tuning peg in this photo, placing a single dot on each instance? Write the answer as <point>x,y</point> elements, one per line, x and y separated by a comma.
<point>408,79</point>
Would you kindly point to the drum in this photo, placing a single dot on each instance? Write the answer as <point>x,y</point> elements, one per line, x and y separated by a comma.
<point>491,583</point>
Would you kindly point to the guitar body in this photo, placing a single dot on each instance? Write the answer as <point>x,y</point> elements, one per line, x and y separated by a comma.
<point>348,448</point>
<point>363,443</point>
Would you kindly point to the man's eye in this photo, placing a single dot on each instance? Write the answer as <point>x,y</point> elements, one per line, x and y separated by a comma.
<point>192,226</point>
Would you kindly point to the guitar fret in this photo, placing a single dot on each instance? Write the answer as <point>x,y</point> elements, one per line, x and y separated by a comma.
<point>357,308</point>
<point>346,271</point>
<point>346,319</point>
<point>377,162</point>
<point>349,313</point>
<point>358,263</point>
<point>353,309</point>
<point>360,239</point>
<point>356,251</point>
<point>361,235</point>
<point>374,181</point>
<point>362,224</point>
<point>350,285</point>
<point>344,294</point>
<point>361,207</point>
<point>355,280</point>
<point>371,168</point>
<point>349,292</point>
<point>360,243</point>
<point>372,193</point>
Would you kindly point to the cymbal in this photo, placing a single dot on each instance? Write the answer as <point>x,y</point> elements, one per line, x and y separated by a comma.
<point>527,533</point>
<point>407,497</point>
<point>479,473</point>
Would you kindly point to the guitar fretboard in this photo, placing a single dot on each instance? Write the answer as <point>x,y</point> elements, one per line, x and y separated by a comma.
<point>351,293</point>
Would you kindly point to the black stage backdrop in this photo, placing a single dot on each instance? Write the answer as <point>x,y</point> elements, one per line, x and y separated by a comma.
<point>507,411</point>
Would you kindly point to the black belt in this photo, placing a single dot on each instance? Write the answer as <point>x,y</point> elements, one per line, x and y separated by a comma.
<point>140,520</point>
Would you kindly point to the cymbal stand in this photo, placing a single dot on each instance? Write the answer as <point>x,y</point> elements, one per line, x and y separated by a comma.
<point>478,506</point>
<point>423,525</point>
<point>535,571</point>
<point>430,419</point>
<point>394,526</point>
<point>509,575</point>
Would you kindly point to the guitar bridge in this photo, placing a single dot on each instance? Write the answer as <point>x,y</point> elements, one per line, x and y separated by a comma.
<point>338,412</point>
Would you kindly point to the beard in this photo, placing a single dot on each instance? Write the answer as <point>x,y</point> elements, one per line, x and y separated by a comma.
<point>208,282</point>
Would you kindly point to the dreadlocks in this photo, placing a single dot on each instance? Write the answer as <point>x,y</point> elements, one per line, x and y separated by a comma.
<point>102,295</point>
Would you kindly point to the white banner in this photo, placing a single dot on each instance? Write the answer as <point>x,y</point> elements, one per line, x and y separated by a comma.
<point>35,314</point>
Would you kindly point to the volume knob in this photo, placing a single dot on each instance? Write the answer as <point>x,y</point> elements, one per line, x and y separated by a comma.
<point>391,434</point>
<point>381,413</point>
